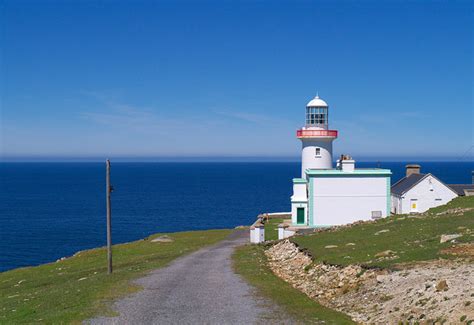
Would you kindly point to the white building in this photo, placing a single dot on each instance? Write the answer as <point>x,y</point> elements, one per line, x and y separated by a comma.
<point>325,196</point>
<point>418,192</point>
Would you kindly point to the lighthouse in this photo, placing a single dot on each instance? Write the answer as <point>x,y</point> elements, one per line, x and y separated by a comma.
<point>316,138</point>
<point>325,196</point>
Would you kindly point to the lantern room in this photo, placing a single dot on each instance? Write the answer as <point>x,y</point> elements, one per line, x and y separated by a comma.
<point>317,114</point>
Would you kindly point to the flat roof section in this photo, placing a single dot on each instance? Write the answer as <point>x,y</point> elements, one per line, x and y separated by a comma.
<point>299,181</point>
<point>356,172</point>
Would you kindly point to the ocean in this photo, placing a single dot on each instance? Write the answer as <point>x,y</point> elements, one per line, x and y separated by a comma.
<point>52,210</point>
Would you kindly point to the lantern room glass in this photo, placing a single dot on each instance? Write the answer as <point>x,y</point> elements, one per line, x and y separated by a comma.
<point>317,117</point>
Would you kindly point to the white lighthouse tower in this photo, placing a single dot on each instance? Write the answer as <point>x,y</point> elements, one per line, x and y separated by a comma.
<point>325,196</point>
<point>316,138</point>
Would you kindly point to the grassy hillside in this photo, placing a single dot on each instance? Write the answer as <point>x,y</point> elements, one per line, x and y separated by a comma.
<point>397,239</point>
<point>78,287</point>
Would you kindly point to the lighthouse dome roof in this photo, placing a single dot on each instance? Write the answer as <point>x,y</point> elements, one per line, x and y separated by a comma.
<point>317,102</point>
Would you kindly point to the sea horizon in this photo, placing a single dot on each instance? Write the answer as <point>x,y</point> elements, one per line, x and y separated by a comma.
<point>148,198</point>
<point>230,159</point>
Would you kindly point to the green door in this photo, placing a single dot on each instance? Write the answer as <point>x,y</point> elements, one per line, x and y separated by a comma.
<point>300,215</point>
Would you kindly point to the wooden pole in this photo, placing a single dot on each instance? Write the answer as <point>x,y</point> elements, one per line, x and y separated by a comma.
<point>109,218</point>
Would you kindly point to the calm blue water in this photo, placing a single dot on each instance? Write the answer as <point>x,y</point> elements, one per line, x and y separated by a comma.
<point>51,210</point>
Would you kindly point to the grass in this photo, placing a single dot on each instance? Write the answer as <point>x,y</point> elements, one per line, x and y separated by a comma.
<point>78,287</point>
<point>271,228</point>
<point>250,262</point>
<point>411,238</point>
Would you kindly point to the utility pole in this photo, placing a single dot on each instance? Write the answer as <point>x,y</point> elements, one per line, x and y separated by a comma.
<point>108,190</point>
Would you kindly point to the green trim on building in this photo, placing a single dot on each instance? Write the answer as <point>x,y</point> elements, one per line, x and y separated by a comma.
<point>356,172</point>
<point>300,181</point>
<point>310,202</point>
<point>389,198</point>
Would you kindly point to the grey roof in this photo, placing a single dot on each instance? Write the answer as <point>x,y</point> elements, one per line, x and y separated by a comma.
<point>406,183</point>
<point>459,188</point>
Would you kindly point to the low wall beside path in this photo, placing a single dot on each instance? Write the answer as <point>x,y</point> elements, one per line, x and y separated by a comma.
<point>257,229</point>
<point>257,232</point>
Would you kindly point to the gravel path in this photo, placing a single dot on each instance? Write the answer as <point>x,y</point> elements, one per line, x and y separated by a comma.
<point>200,288</point>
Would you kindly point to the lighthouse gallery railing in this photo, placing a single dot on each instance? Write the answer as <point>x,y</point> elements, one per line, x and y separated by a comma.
<point>316,133</point>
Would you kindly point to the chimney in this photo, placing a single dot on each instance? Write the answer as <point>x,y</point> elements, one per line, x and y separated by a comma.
<point>347,164</point>
<point>412,169</point>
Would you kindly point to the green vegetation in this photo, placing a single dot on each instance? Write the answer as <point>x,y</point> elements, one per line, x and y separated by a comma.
<point>271,228</point>
<point>250,262</point>
<point>415,238</point>
<point>78,287</point>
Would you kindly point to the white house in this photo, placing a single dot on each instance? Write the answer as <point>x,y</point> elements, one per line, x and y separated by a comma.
<point>418,192</point>
<point>326,196</point>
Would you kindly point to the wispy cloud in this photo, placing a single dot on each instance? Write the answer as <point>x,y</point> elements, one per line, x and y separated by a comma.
<point>130,117</point>
<point>248,117</point>
<point>411,114</point>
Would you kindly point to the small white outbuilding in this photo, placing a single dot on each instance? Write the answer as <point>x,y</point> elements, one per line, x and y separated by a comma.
<point>416,192</point>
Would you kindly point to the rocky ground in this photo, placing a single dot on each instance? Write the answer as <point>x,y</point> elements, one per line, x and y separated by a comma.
<point>436,291</point>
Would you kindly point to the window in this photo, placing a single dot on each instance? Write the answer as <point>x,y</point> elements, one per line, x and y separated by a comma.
<point>316,116</point>
<point>438,199</point>
<point>318,152</point>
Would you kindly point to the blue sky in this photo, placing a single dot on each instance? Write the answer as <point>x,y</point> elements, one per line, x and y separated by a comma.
<point>148,79</point>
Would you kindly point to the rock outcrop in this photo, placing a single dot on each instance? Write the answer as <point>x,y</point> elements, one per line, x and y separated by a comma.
<point>425,292</point>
